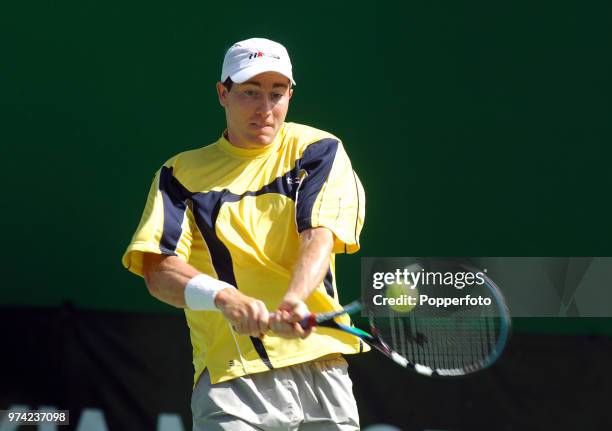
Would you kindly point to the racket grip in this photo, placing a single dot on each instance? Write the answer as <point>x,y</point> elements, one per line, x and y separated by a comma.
<point>306,323</point>
<point>309,321</point>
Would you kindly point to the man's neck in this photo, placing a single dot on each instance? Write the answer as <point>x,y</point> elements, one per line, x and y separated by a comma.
<point>242,144</point>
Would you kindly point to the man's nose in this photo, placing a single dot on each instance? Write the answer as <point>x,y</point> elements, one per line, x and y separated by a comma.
<point>265,106</point>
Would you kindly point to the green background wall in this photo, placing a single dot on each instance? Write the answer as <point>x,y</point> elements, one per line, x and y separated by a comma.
<point>478,129</point>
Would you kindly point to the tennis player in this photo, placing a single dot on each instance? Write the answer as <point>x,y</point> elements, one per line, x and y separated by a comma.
<point>248,224</point>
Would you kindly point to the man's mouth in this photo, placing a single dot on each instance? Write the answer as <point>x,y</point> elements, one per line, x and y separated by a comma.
<point>261,126</point>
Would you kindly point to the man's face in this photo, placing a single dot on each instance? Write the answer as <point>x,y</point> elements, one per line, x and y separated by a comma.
<point>255,109</point>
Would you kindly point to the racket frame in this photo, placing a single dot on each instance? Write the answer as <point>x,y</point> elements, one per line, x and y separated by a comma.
<point>372,339</point>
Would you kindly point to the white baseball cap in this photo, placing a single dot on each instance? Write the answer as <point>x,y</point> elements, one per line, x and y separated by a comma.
<point>251,57</point>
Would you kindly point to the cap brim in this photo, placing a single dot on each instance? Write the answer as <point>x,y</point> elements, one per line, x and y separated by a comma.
<point>246,74</point>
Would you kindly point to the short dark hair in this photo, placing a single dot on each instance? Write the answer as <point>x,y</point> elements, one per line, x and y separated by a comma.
<point>228,83</point>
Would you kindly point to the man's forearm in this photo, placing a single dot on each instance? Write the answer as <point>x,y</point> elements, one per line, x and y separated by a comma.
<point>166,278</point>
<point>312,263</point>
<point>172,281</point>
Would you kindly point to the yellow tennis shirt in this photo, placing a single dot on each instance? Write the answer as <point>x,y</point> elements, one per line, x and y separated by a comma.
<point>236,214</point>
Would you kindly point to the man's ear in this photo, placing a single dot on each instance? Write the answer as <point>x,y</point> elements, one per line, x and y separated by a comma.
<point>290,93</point>
<point>222,93</point>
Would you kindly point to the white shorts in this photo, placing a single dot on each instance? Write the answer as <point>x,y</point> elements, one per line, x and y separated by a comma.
<point>314,396</point>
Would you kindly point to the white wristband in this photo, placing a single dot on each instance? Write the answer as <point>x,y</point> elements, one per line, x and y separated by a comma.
<point>201,291</point>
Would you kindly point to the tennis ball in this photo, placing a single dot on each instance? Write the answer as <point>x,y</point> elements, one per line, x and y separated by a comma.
<point>402,292</point>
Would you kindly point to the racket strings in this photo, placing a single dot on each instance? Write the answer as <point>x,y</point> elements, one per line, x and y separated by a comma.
<point>462,341</point>
<point>466,333</point>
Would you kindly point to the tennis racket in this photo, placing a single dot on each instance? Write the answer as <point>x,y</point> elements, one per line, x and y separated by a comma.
<point>435,341</point>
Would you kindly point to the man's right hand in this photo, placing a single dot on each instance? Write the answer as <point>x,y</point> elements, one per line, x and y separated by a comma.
<point>285,321</point>
<point>248,316</point>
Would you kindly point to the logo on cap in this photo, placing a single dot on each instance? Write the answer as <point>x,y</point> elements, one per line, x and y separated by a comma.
<point>256,54</point>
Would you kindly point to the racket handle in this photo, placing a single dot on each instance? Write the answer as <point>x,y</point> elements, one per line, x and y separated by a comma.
<point>309,321</point>
<point>306,323</point>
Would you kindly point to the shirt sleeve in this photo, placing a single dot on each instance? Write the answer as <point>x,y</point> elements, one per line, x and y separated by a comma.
<point>166,224</point>
<point>330,194</point>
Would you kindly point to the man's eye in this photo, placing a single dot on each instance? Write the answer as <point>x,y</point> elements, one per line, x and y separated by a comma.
<point>277,96</point>
<point>250,93</point>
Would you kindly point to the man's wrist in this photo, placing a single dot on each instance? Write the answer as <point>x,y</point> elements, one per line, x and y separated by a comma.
<point>292,298</point>
<point>223,297</point>
<point>201,292</point>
